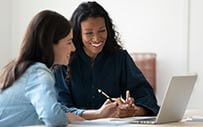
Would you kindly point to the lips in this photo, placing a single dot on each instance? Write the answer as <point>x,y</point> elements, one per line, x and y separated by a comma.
<point>96,44</point>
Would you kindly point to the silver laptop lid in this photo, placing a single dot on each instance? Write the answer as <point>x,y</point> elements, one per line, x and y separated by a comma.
<point>176,98</point>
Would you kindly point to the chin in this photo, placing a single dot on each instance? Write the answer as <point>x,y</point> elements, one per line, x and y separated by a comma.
<point>96,52</point>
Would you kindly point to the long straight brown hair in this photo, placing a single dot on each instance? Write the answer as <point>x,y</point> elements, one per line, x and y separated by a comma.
<point>45,29</point>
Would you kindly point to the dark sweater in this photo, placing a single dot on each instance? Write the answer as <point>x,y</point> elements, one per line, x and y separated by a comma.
<point>112,73</point>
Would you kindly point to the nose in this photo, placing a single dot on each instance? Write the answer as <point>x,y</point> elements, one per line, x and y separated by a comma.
<point>96,38</point>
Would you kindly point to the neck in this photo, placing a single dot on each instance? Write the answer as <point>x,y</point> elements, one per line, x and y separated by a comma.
<point>91,55</point>
<point>60,62</point>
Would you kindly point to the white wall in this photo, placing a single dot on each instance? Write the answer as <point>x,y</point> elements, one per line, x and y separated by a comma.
<point>24,10</point>
<point>196,50</point>
<point>154,26</point>
<point>5,32</point>
<point>159,26</point>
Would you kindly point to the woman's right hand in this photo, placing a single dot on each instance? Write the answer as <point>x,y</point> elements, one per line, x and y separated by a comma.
<point>108,109</point>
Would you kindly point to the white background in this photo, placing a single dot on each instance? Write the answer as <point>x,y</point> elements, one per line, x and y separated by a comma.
<point>170,28</point>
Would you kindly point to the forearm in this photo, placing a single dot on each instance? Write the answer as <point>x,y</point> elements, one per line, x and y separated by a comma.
<point>73,110</point>
<point>91,114</point>
<point>73,117</point>
<point>150,109</point>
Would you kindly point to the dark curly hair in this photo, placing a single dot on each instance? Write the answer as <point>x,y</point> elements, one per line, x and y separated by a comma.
<point>93,9</point>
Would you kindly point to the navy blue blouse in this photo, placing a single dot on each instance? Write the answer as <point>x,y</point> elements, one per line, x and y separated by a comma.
<point>112,73</point>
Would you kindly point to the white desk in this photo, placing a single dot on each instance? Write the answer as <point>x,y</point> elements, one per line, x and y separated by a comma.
<point>188,113</point>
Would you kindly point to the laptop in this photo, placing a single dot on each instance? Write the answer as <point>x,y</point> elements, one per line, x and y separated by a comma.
<point>175,101</point>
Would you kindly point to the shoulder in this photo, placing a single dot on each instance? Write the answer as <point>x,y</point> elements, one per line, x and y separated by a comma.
<point>40,70</point>
<point>38,67</point>
<point>39,76</point>
<point>123,57</point>
<point>120,54</point>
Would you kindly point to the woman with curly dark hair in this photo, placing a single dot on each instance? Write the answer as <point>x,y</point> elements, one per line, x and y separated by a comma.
<point>100,62</point>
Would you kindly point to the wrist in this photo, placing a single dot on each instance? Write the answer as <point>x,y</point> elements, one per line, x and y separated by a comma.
<point>91,114</point>
<point>98,113</point>
<point>141,111</point>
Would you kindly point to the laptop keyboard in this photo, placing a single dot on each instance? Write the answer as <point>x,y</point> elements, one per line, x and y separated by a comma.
<point>144,121</point>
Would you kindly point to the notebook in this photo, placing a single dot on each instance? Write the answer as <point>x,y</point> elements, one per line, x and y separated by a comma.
<point>174,102</point>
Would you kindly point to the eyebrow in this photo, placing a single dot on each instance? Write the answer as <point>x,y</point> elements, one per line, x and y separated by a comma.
<point>102,27</point>
<point>87,29</point>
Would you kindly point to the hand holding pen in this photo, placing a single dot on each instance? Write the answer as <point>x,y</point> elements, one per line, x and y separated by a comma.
<point>126,108</point>
<point>109,108</point>
<point>128,102</point>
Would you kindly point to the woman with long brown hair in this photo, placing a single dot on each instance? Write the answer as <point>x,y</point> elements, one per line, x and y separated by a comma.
<point>27,94</point>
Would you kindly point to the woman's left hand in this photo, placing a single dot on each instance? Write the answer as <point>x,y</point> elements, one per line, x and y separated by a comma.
<point>127,108</point>
<point>139,111</point>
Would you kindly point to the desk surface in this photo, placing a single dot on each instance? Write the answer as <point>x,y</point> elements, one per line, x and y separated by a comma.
<point>183,123</point>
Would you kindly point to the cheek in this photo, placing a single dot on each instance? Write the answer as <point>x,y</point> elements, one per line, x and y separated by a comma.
<point>85,41</point>
<point>86,38</point>
<point>69,49</point>
<point>105,36</point>
<point>63,50</point>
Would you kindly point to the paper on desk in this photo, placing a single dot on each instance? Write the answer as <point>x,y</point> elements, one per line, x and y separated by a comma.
<point>106,121</point>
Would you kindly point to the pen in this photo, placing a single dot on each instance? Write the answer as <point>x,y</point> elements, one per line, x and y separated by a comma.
<point>101,92</point>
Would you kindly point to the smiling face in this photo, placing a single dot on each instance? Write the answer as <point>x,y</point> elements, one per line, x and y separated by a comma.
<point>63,49</point>
<point>94,35</point>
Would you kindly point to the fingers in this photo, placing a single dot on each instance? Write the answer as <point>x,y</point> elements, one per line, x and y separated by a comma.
<point>127,94</point>
<point>107,102</point>
<point>108,109</point>
<point>112,105</point>
<point>118,101</point>
<point>129,99</point>
<point>123,105</point>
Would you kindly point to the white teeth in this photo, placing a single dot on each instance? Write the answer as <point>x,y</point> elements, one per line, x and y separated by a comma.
<point>96,45</point>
